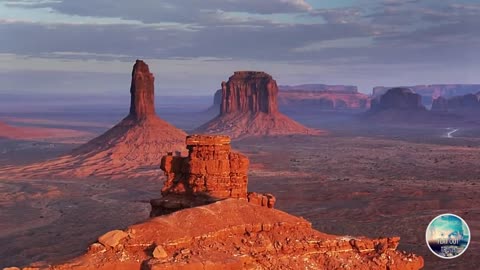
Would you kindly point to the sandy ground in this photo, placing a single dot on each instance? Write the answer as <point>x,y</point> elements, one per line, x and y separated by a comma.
<point>52,221</point>
<point>380,182</point>
<point>373,187</point>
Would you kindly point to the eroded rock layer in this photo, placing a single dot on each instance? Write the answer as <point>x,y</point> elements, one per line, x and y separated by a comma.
<point>235,234</point>
<point>130,149</point>
<point>210,168</point>
<point>293,99</point>
<point>210,172</point>
<point>249,108</point>
<point>249,92</point>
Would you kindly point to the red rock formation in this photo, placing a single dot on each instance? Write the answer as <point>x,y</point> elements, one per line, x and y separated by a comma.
<point>431,92</point>
<point>398,99</point>
<point>142,93</point>
<point>265,200</point>
<point>232,230</point>
<point>435,90</point>
<point>211,168</point>
<point>469,103</point>
<point>130,149</point>
<point>293,99</point>
<point>210,172</point>
<point>249,92</point>
<point>400,106</point>
<point>249,108</point>
<point>234,234</point>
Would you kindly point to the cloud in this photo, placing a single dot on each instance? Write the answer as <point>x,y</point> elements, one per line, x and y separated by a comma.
<point>267,41</point>
<point>339,15</point>
<point>390,38</point>
<point>336,43</point>
<point>151,11</point>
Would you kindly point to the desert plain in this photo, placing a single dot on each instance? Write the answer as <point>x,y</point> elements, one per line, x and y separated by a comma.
<point>360,178</point>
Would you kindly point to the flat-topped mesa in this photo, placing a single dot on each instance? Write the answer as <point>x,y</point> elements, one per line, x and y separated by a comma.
<point>142,101</point>
<point>249,108</point>
<point>249,92</point>
<point>210,172</point>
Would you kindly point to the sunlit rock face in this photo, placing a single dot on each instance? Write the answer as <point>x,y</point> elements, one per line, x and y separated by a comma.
<point>142,91</point>
<point>210,172</point>
<point>249,107</point>
<point>249,92</point>
<point>132,148</point>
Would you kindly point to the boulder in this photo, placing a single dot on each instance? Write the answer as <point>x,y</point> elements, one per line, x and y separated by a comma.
<point>159,253</point>
<point>112,238</point>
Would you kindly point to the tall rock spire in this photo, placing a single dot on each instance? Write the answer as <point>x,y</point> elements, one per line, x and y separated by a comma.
<point>131,149</point>
<point>142,102</point>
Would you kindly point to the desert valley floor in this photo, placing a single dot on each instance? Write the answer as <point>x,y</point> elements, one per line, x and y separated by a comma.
<point>371,181</point>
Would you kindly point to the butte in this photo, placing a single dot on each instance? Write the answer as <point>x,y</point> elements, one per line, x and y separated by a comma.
<point>132,148</point>
<point>249,108</point>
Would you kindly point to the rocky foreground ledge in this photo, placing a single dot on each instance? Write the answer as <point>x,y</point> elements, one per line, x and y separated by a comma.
<point>207,220</point>
<point>235,234</point>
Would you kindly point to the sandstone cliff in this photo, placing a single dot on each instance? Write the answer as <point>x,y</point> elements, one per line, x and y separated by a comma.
<point>311,99</point>
<point>132,148</point>
<point>210,172</point>
<point>249,108</point>
<point>234,234</point>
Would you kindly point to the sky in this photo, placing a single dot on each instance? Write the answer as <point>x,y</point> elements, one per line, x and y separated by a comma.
<point>89,46</point>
